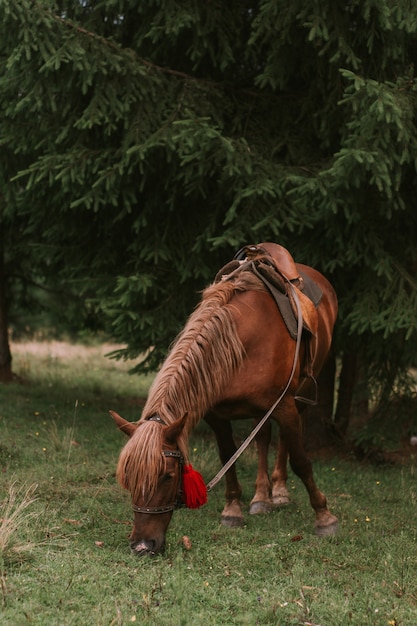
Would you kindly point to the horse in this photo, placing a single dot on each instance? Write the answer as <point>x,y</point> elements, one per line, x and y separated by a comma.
<point>233,358</point>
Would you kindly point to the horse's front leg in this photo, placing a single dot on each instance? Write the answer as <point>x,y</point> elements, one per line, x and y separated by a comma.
<point>291,433</point>
<point>232,513</point>
<point>261,501</point>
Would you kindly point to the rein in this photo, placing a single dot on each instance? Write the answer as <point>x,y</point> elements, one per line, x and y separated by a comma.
<point>258,427</point>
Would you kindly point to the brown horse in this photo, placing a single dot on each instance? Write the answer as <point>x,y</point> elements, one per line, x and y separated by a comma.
<point>231,361</point>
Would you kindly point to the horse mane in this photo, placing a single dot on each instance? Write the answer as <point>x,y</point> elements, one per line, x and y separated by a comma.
<point>202,359</point>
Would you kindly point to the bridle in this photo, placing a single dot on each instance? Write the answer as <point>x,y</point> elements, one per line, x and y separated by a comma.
<point>175,454</point>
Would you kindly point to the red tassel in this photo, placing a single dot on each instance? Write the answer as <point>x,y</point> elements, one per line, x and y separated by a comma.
<point>194,489</point>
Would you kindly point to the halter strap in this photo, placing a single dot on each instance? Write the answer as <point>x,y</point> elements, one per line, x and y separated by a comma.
<point>154,509</point>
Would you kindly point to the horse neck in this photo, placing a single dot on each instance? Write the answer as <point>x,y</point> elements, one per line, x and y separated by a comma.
<point>204,357</point>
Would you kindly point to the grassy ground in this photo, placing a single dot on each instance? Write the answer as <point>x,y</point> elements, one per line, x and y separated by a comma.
<point>64,557</point>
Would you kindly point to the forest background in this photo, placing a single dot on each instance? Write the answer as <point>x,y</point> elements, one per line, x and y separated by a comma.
<point>143,143</point>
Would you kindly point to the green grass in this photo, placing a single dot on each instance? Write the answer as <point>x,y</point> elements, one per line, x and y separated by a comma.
<point>67,562</point>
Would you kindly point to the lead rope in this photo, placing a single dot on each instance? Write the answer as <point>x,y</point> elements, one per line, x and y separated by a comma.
<point>258,427</point>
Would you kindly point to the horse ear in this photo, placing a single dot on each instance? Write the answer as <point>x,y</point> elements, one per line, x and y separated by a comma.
<point>173,431</point>
<point>127,427</point>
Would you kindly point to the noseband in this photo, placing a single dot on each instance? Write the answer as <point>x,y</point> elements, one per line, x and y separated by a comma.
<point>176,454</point>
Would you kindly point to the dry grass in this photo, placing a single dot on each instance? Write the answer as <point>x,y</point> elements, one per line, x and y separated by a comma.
<point>13,516</point>
<point>67,352</point>
<point>77,365</point>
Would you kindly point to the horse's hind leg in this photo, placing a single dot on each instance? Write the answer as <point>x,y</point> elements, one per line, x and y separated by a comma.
<point>280,495</point>
<point>291,433</point>
<point>261,501</point>
<point>232,513</point>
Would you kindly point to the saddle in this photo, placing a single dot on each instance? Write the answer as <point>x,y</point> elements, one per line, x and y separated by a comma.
<point>276,268</point>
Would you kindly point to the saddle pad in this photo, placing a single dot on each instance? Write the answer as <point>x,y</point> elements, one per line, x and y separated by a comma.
<point>311,291</point>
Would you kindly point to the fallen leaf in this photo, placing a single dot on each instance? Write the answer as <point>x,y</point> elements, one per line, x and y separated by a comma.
<point>186,542</point>
<point>99,544</point>
<point>297,538</point>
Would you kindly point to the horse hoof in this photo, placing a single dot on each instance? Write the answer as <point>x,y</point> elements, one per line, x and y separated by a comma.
<point>260,508</point>
<point>231,521</point>
<point>281,500</point>
<point>327,531</point>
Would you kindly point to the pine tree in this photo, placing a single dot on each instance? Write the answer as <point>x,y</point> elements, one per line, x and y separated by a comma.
<point>151,139</point>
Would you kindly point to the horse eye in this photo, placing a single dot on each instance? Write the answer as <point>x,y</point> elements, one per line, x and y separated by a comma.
<point>168,476</point>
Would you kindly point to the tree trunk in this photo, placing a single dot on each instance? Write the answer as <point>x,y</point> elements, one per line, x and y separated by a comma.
<point>6,374</point>
<point>347,381</point>
<point>317,420</point>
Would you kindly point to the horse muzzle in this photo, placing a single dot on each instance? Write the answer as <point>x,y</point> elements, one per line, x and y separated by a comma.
<point>146,547</point>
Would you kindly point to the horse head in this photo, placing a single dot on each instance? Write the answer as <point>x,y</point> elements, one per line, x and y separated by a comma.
<point>150,467</point>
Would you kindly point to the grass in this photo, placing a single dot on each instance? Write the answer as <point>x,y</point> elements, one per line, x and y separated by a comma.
<point>13,515</point>
<point>74,567</point>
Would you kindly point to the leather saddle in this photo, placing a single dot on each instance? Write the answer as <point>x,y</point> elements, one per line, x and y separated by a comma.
<point>275,266</point>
